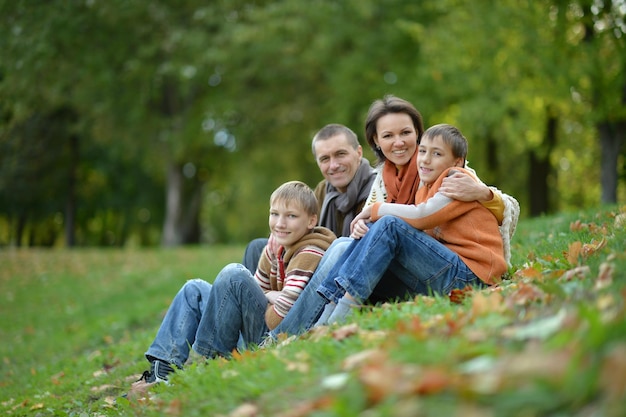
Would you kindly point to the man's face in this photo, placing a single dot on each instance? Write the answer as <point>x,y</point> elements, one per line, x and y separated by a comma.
<point>338,160</point>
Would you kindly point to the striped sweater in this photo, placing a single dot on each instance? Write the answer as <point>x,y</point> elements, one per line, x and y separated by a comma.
<point>467,228</point>
<point>289,270</point>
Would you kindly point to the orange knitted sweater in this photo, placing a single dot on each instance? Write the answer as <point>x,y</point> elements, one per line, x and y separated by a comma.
<point>467,228</point>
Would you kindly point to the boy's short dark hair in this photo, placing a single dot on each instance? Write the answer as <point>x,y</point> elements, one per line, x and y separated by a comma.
<point>296,192</point>
<point>452,137</point>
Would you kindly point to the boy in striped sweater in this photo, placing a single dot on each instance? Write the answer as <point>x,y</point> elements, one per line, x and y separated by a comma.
<point>436,245</point>
<point>238,309</point>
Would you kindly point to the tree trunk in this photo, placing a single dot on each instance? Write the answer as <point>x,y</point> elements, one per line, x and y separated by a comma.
<point>182,209</point>
<point>70,203</point>
<point>611,139</point>
<point>540,170</point>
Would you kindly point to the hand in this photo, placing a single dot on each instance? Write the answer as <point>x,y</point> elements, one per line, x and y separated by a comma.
<point>272,296</point>
<point>462,187</point>
<point>359,229</point>
<point>358,226</point>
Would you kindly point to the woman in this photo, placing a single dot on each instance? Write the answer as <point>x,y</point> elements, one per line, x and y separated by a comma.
<point>393,128</point>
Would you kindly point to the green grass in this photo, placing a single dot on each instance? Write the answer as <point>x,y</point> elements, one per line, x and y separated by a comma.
<point>550,341</point>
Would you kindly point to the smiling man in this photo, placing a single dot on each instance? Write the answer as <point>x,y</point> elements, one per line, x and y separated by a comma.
<point>341,195</point>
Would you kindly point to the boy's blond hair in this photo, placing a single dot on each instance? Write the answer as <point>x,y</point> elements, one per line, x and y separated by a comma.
<point>298,193</point>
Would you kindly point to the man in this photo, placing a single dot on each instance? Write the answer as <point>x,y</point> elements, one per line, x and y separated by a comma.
<point>342,193</point>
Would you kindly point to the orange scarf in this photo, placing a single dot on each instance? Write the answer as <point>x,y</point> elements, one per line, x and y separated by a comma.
<point>401,184</point>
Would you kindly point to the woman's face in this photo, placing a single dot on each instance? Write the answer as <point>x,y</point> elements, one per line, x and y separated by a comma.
<point>397,138</point>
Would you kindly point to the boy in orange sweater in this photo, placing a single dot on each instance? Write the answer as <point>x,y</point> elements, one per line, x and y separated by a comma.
<point>438,244</point>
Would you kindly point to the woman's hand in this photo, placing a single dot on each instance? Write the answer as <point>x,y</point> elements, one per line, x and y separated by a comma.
<point>462,187</point>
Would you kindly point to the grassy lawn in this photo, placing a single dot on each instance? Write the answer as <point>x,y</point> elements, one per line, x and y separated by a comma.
<point>550,341</point>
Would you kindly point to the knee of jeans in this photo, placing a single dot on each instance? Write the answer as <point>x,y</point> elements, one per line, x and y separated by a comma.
<point>192,287</point>
<point>231,274</point>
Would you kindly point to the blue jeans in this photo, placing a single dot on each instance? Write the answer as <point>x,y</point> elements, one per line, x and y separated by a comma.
<point>420,263</point>
<point>253,252</point>
<point>212,319</point>
<point>180,324</point>
<point>310,304</point>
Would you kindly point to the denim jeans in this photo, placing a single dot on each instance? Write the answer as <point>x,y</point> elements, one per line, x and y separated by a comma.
<point>212,319</point>
<point>180,324</point>
<point>421,263</point>
<point>309,305</point>
<point>253,253</point>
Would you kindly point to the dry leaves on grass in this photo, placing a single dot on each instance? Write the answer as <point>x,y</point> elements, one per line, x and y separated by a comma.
<point>577,251</point>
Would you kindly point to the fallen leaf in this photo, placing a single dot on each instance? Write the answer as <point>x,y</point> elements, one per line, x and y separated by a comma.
<point>458,295</point>
<point>485,304</point>
<point>573,252</point>
<point>345,331</point>
<point>363,357</point>
<point>538,329</point>
<point>578,272</point>
<point>174,408</point>
<point>414,327</point>
<point>605,276</point>
<point>528,272</point>
<point>101,388</point>
<point>306,408</point>
<point>245,410</point>
<point>589,249</point>
<point>433,381</point>
<point>525,294</point>
<point>56,378</point>
<point>335,381</point>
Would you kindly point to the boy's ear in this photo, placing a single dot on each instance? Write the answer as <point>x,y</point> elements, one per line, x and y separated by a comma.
<point>312,221</point>
<point>460,162</point>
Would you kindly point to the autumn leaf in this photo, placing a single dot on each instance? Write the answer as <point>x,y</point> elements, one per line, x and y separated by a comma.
<point>605,276</point>
<point>538,329</point>
<point>457,295</point>
<point>525,294</point>
<point>345,331</point>
<point>305,408</point>
<point>578,272</point>
<point>589,249</point>
<point>528,272</point>
<point>363,357</point>
<point>413,326</point>
<point>245,410</point>
<point>483,304</point>
<point>573,252</point>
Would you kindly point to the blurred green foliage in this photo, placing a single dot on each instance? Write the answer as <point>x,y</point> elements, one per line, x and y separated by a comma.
<point>107,107</point>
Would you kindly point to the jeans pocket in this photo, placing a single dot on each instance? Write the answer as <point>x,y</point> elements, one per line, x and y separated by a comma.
<point>460,282</point>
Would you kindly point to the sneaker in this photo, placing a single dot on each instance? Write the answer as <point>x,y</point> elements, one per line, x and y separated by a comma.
<point>158,372</point>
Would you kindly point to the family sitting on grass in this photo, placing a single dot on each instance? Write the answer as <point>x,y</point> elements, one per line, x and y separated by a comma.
<point>420,223</point>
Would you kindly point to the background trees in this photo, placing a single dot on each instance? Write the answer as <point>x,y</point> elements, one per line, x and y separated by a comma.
<point>171,122</point>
